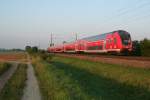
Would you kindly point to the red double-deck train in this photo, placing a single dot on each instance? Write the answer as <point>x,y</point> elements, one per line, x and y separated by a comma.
<point>112,42</point>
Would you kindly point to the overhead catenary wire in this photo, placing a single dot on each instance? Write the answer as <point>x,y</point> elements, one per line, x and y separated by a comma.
<point>124,12</point>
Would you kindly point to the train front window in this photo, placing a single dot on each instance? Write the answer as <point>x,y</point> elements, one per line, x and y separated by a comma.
<point>125,37</point>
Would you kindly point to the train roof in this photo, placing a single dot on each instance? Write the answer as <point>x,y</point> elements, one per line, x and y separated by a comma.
<point>96,37</point>
<point>100,36</point>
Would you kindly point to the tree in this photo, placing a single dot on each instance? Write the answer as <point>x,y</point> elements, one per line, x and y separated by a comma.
<point>145,47</point>
<point>34,49</point>
<point>136,48</point>
<point>28,49</point>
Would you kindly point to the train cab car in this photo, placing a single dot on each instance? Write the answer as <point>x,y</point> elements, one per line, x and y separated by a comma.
<point>117,41</point>
<point>113,42</point>
<point>126,41</point>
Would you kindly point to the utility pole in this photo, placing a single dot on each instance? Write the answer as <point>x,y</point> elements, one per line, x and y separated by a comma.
<point>76,36</point>
<point>51,42</point>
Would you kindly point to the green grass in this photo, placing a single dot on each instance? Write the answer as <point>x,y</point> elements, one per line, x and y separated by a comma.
<point>74,79</point>
<point>55,85</point>
<point>13,89</point>
<point>4,67</point>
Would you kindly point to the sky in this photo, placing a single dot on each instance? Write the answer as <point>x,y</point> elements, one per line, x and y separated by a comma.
<point>31,22</point>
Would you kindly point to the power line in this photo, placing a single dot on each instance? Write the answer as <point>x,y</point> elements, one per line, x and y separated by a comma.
<point>125,8</point>
<point>139,18</point>
<point>121,10</point>
<point>127,11</point>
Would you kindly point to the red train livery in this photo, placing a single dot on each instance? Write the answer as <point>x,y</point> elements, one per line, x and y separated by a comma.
<point>112,42</point>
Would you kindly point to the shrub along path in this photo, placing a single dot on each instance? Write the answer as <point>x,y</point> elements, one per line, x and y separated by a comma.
<point>7,75</point>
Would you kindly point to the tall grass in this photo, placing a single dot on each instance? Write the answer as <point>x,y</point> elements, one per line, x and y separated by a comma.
<point>55,85</point>
<point>129,75</point>
<point>4,67</point>
<point>74,79</point>
<point>13,90</point>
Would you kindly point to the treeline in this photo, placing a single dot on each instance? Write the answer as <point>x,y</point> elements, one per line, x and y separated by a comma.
<point>141,48</point>
<point>31,50</point>
<point>145,47</point>
<point>10,50</point>
<point>34,51</point>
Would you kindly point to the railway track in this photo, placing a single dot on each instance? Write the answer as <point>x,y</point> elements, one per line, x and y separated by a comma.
<point>129,61</point>
<point>139,58</point>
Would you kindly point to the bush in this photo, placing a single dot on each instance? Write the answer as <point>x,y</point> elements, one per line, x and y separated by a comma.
<point>4,67</point>
<point>145,47</point>
<point>31,50</point>
<point>136,48</point>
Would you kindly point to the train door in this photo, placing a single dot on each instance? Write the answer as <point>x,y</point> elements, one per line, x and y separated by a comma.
<point>104,46</point>
<point>114,41</point>
<point>108,42</point>
<point>111,43</point>
<point>79,45</point>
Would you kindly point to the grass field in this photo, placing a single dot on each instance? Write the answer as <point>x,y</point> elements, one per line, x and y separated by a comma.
<point>13,56</point>
<point>70,78</point>
<point>13,90</point>
<point>4,67</point>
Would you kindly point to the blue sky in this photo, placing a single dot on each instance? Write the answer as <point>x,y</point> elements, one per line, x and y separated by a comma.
<point>30,22</point>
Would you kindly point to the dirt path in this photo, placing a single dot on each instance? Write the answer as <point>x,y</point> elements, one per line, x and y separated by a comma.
<point>7,75</point>
<point>31,91</point>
